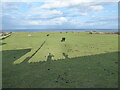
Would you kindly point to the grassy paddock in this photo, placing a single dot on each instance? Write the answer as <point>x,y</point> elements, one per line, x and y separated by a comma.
<point>36,59</point>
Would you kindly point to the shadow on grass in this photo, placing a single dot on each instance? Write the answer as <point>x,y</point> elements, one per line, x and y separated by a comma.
<point>49,58</point>
<point>65,55</point>
<point>12,55</point>
<point>2,44</point>
<point>95,71</point>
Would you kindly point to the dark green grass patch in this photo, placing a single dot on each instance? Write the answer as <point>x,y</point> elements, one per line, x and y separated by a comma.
<point>89,71</point>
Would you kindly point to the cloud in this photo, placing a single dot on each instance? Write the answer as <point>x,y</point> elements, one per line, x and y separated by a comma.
<point>84,14</point>
<point>68,13</point>
<point>43,14</point>
<point>14,10</point>
<point>102,22</point>
<point>58,0</point>
<point>96,8</point>
<point>52,4</point>
<point>10,6</point>
<point>103,19</point>
<point>63,3</point>
<point>55,21</point>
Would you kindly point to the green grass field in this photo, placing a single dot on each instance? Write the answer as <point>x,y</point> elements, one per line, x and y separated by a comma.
<point>40,61</point>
